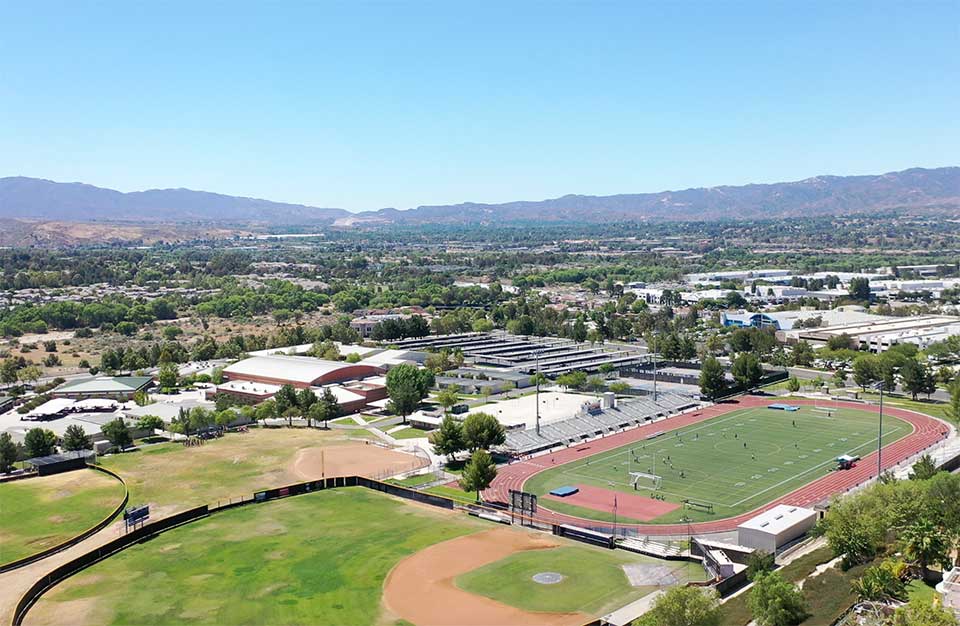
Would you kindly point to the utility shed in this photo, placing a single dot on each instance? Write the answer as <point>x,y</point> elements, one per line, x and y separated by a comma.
<point>776,528</point>
<point>56,463</point>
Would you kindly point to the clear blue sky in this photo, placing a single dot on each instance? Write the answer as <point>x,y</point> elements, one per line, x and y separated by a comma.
<point>363,105</point>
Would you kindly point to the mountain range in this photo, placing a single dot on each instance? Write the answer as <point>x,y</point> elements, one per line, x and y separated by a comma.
<point>913,189</point>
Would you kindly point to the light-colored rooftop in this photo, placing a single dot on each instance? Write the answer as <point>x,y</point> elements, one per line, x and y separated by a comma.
<point>246,386</point>
<point>301,369</point>
<point>105,385</point>
<point>778,519</point>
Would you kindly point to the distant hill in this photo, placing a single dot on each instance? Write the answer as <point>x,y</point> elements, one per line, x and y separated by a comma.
<point>44,199</point>
<point>913,189</point>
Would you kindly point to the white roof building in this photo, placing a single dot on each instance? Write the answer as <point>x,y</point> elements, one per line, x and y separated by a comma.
<point>775,528</point>
<point>298,371</point>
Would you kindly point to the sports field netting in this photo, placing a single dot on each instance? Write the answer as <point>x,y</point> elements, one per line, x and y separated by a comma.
<point>736,462</point>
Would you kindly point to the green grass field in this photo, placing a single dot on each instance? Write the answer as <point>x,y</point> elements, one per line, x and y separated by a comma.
<point>322,558</point>
<point>314,559</point>
<point>594,581</point>
<point>410,433</point>
<point>39,513</point>
<point>736,462</point>
<point>172,476</point>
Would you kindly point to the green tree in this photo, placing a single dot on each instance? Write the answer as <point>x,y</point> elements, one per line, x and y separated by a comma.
<point>74,438</point>
<point>759,562</point>
<point>595,384</point>
<point>713,382</point>
<point>8,452</point>
<point>802,354</point>
<point>865,371</point>
<point>167,378</point>
<point>919,612</point>
<point>924,544</point>
<point>150,422</point>
<point>882,583</point>
<point>407,385</point>
<point>481,431</point>
<point>746,370</point>
<point>305,399</point>
<point>579,331</point>
<point>952,410</point>
<point>267,410</point>
<point>448,439</point>
<point>859,288</point>
<point>285,398</point>
<point>448,397</point>
<point>478,473</point>
<point>8,371</point>
<point>774,601</point>
<point>912,377</point>
<point>572,380</point>
<point>684,606</point>
<point>331,409</point>
<point>924,468</point>
<point>793,385</point>
<point>39,442</point>
<point>117,433</point>
<point>840,377</point>
<point>30,374</point>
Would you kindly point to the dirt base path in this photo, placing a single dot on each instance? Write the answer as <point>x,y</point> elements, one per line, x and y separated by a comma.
<point>352,460</point>
<point>420,588</point>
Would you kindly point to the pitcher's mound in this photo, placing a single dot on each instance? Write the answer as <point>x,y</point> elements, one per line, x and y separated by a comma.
<point>547,578</point>
<point>354,459</point>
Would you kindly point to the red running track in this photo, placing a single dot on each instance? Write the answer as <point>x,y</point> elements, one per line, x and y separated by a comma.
<point>926,432</point>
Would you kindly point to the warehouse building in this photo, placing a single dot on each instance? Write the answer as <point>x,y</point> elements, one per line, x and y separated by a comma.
<point>301,372</point>
<point>121,388</point>
<point>776,528</point>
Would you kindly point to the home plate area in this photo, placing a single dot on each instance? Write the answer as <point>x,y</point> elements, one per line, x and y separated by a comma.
<point>629,505</point>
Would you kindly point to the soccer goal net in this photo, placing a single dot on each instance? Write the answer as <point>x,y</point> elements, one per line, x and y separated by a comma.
<point>644,480</point>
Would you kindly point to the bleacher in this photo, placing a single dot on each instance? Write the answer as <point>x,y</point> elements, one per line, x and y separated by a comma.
<point>626,414</point>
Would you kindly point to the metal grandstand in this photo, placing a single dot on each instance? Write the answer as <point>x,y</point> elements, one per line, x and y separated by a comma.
<point>590,424</point>
<point>519,353</point>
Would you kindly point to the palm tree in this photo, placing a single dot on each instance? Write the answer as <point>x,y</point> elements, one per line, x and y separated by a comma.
<point>924,544</point>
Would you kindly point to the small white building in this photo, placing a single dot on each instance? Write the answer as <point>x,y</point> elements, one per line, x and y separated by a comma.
<point>776,528</point>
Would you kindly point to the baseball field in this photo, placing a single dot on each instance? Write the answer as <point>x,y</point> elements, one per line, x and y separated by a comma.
<point>352,556</point>
<point>715,468</point>
<point>39,513</point>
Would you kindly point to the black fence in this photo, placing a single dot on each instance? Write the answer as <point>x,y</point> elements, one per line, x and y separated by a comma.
<point>27,560</point>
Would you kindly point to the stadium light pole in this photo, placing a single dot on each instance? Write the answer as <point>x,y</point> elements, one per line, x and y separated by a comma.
<point>537,357</point>
<point>880,386</point>
<point>654,376</point>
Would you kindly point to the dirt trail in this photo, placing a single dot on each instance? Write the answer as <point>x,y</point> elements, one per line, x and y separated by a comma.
<point>420,588</point>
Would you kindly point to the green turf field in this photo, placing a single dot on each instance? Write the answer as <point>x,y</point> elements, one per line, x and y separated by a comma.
<point>736,462</point>
<point>594,581</point>
<point>39,513</point>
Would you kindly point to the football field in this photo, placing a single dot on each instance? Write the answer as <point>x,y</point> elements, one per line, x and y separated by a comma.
<point>724,466</point>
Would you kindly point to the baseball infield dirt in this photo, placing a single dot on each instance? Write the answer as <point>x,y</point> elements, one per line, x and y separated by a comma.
<point>421,587</point>
<point>352,460</point>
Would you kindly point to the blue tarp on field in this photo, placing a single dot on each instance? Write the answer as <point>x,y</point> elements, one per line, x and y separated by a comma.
<point>783,407</point>
<point>563,492</point>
